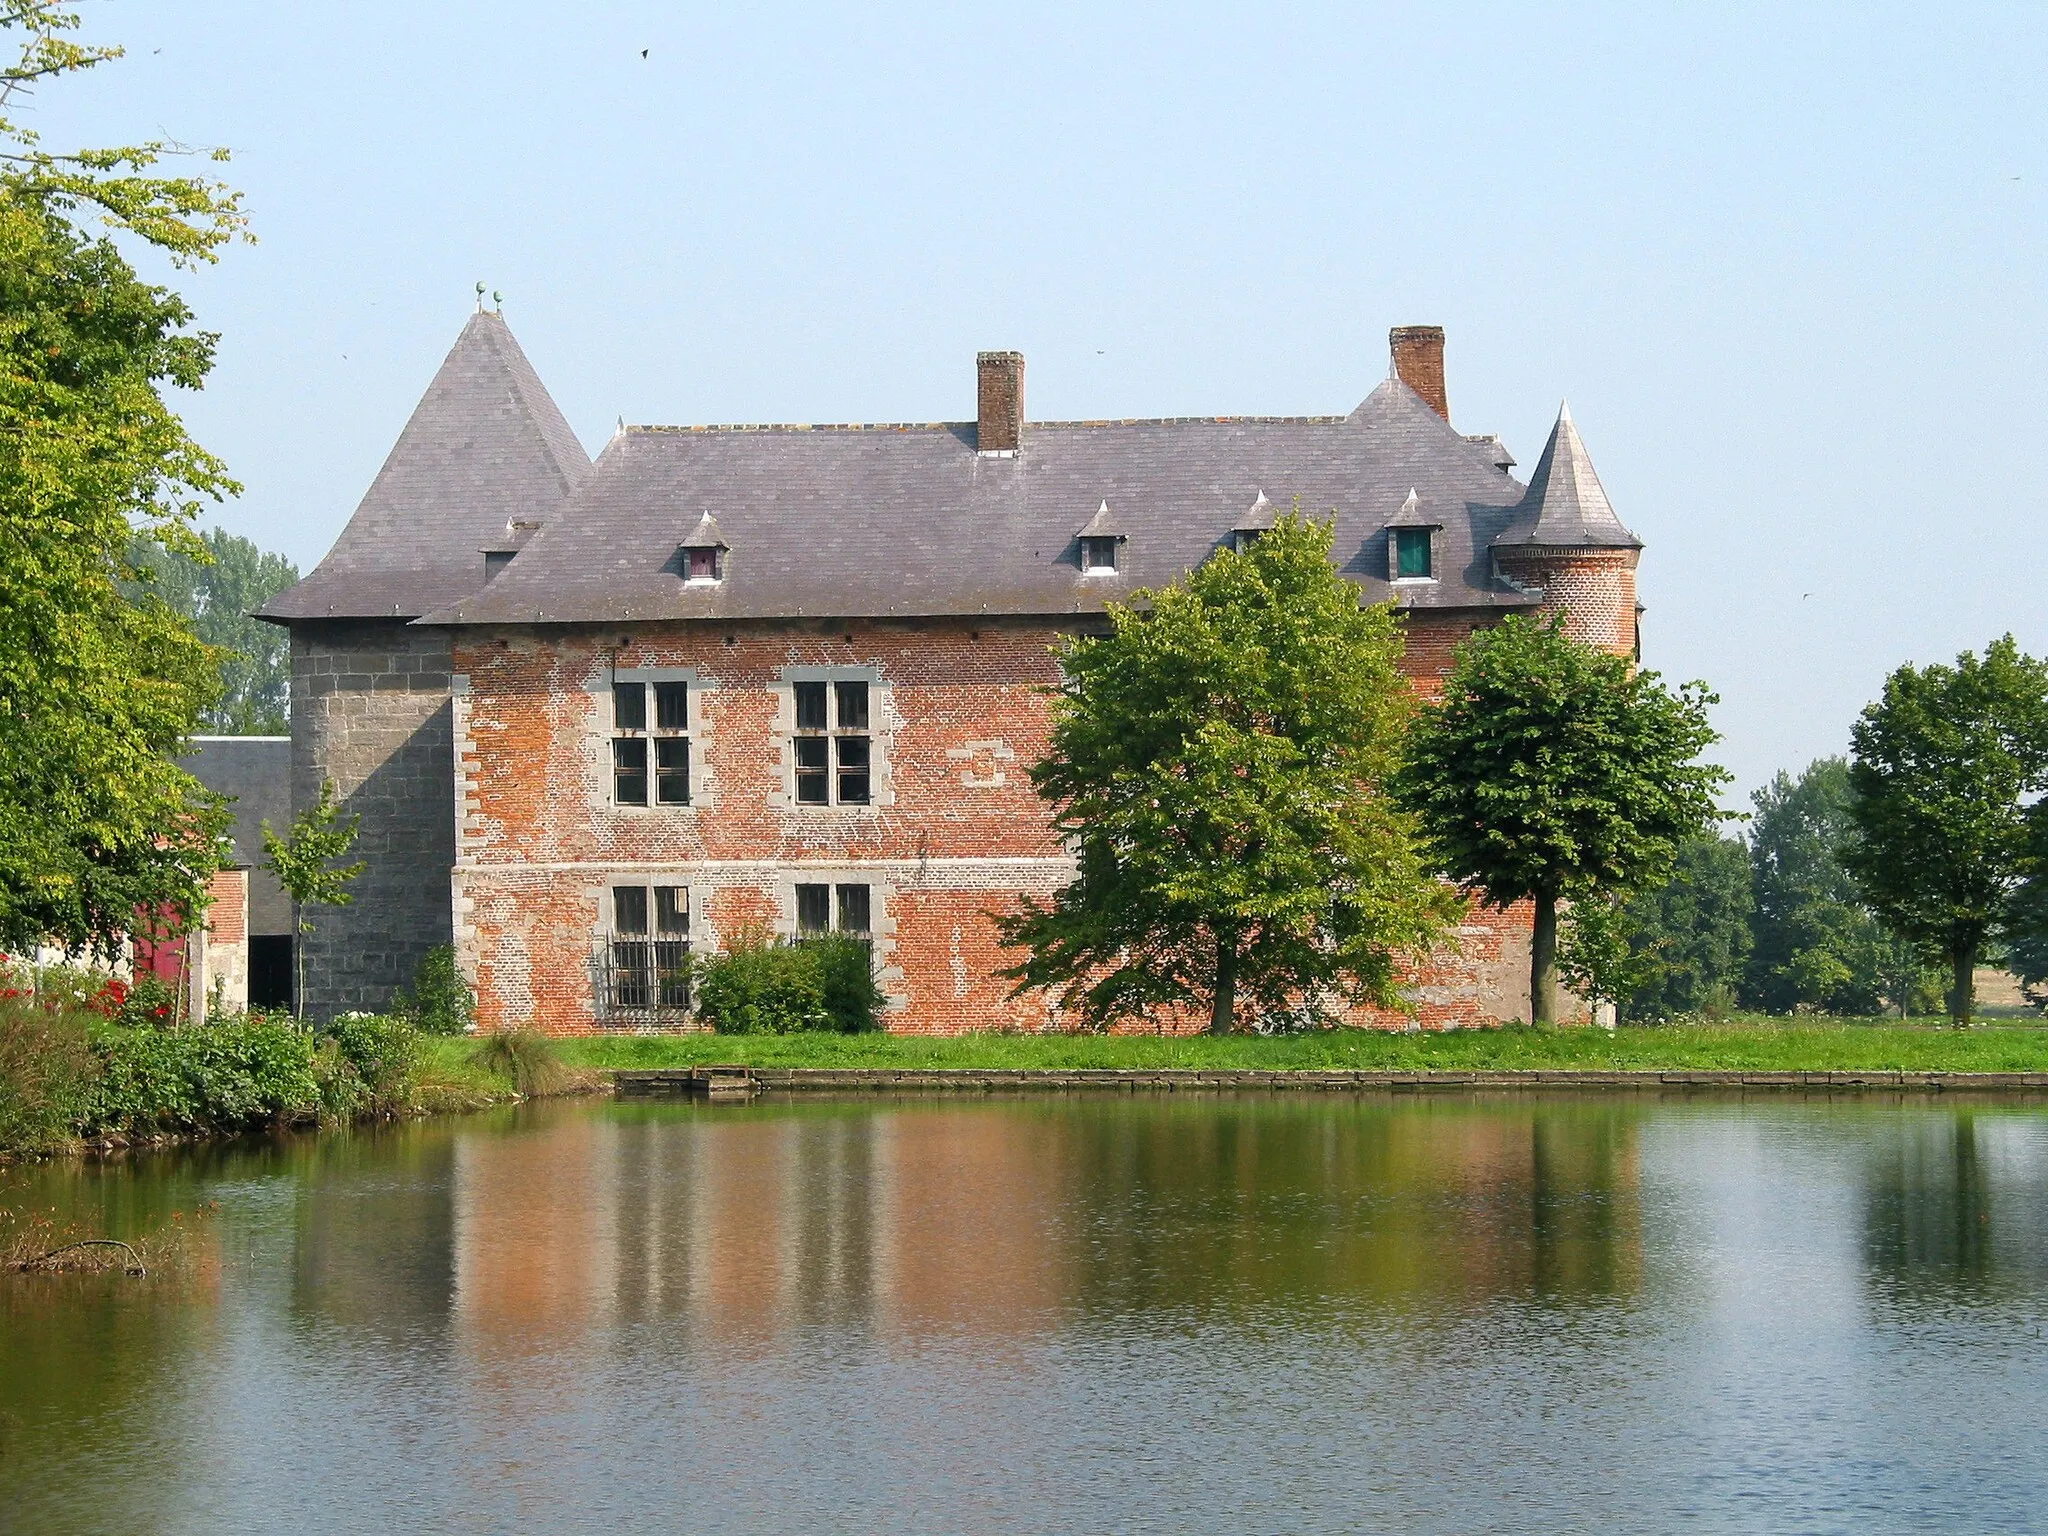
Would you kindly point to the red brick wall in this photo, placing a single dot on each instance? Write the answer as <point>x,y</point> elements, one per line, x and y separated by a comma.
<point>957,833</point>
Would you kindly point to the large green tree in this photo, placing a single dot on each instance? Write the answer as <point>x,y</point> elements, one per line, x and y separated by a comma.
<point>1946,767</point>
<point>216,595</point>
<point>1547,770</point>
<point>1219,762</point>
<point>97,691</point>
<point>1817,945</point>
<point>1670,949</point>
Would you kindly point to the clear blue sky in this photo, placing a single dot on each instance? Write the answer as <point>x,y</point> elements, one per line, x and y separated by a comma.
<point>1785,263</point>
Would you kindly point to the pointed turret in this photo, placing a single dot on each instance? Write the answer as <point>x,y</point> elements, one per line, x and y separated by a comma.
<point>485,448</point>
<point>1566,507</point>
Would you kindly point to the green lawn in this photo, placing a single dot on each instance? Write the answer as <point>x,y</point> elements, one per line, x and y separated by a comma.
<point>1765,1045</point>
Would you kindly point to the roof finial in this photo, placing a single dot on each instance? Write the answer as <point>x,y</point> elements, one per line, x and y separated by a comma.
<point>497,301</point>
<point>479,297</point>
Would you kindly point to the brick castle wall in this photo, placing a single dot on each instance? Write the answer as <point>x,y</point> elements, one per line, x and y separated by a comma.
<point>956,832</point>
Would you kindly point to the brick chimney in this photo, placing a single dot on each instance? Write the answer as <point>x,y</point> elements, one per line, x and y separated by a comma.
<point>999,400</point>
<point>1419,360</point>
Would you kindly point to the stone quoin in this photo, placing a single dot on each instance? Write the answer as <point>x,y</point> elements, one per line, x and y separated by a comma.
<point>598,717</point>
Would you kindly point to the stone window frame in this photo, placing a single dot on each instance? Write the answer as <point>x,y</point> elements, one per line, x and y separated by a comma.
<point>658,994</point>
<point>884,888</point>
<point>695,735</point>
<point>881,733</point>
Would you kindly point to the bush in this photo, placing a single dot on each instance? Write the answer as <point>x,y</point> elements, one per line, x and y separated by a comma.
<point>147,1003</point>
<point>440,1001</point>
<point>526,1057</point>
<point>383,1051</point>
<point>762,988</point>
<point>47,1072</point>
<point>235,1073</point>
<point>846,970</point>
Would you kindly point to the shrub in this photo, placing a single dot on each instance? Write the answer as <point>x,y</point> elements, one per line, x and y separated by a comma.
<point>46,1074</point>
<point>384,1052</point>
<point>846,973</point>
<point>762,988</point>
<point>440,1001</point>
<point>147,1003</point>
<point>234,1073</point>
<point>526,1057</point>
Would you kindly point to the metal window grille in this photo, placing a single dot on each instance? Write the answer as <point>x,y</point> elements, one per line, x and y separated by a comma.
<point>643,966</point>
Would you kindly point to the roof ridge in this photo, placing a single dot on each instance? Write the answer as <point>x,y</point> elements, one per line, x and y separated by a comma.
<point>948,426</point>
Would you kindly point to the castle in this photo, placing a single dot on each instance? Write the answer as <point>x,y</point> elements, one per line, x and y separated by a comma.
<point>598,717</point>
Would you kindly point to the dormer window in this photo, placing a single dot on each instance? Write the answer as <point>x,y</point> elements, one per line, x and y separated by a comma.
<point>1099,541</point>
<point>1411,543</point>
<point>1412,560</point>
<point>702,556</point>
<point>1257,519</point>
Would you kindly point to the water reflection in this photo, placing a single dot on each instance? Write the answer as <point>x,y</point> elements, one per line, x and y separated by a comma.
<point>1956,1204</point>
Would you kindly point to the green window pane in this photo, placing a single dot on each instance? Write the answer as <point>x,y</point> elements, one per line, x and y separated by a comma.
<point>1411,552</point>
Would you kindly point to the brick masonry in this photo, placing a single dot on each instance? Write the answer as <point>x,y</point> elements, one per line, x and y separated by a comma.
<point>955,834</point>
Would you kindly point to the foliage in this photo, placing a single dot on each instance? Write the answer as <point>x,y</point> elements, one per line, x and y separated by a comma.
<point>440,1001</point>
<point>761,987</point>
<point>1670,950</point>
<point>1945,767</point>
<point>526,1058</point>
<point>1816,945</point>
<point>234,1073</point>
<point>215,589</point>
<point>46,1073</point>
<point>307,865</point>
<point>1218,762</point>
<point>846,980</point>
<point>148,1003</point>
<point>382,1052</point>
<point>1547,769</point>
<point>97,822</point>
<point>187,217</point>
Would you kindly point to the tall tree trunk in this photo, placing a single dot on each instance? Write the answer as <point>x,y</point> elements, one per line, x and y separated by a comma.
<point>1962,992</point>
<point>1543,961</point>
<point>1223,1013</point>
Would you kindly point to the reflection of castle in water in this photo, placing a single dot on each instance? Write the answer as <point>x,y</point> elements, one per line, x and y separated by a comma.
<point>997,1218</point>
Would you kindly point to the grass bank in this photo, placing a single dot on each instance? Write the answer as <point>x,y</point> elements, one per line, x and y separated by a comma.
<point>1765,1045</point>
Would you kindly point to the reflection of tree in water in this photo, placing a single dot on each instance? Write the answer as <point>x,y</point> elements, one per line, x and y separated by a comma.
<point>374,1239</point>
<point>1928,1217</point>
<point>1421,1201</point>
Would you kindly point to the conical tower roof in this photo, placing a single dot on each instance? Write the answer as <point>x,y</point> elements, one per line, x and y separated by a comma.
<point>1566,506</point>
<point>485,447</point>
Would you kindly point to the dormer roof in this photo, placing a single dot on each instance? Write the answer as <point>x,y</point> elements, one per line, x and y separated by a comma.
<point>485,449</point>
<point>1565,506</point>
<point>1258,517</point>
<point>706,535</point>
<point>1413,513</point>
<point>1103,525</point>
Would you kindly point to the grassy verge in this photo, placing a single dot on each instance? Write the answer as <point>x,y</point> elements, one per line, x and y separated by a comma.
<point>1770,1045</point>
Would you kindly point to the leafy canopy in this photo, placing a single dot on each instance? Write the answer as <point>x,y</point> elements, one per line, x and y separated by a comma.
<point>216,595</point>
<point>1672,949</point>
<point>1218,763</point>
<point>97,692</point>
<point>1945,767</point>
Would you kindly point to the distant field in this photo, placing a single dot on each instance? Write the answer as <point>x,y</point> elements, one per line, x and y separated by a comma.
<point>1759,1045</point>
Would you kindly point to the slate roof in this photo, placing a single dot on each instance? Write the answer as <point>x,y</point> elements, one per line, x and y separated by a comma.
<point>486,447</point>
<point>1567,508</point>
<point>910,520</point>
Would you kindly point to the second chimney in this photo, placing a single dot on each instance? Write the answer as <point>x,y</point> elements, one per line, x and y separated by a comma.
<point>999,400</point>
<point>1419,361</point>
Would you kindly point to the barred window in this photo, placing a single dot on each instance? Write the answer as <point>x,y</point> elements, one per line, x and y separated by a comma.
<point>649,949</point>
<point>832,746</point>
<point>816,906</point>
<point>669,738</point>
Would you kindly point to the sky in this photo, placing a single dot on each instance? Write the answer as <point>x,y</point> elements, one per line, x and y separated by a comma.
<point>1784,261</point>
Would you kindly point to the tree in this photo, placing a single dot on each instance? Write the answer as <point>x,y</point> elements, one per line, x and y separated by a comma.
<point>305,863</point>
<point>1817,945</point>
<point>1218,762</point>
<point>1945,766</point>
<point>1548,770</point>
<point>1682,942</point>
<point>97,692</point>
<point>216,595</point>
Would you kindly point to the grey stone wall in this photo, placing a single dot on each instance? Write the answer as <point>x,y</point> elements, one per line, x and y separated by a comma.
<point>257,772</point>
<point>371,710</point>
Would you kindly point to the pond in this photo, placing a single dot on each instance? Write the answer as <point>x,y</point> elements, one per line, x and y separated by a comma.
<point>1085,1314</point>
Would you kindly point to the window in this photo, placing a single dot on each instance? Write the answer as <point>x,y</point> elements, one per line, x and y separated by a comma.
<point>1098,554</point>
<point>832,746</point>
<point>815,905</point>
<point>1245,538</point>
<point>1412,554</point>
<point>649,949</point>
<point>670,738</point>
<point>703,564</point>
